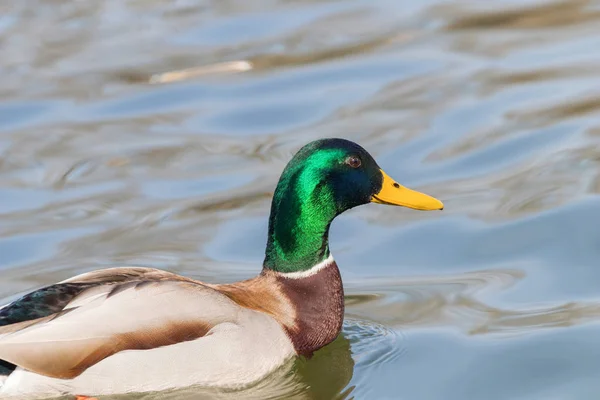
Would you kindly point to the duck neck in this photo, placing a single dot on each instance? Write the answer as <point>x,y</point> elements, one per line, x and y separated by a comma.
<point>301,213</point>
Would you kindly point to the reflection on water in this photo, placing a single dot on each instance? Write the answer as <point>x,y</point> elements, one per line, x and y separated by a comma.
<point>153,133</point>
<point>451,301</point>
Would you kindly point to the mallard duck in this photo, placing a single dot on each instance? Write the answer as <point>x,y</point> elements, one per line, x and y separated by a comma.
<point>131,329</point>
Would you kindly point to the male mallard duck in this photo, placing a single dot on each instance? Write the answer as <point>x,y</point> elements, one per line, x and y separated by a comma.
<point>131,329</point>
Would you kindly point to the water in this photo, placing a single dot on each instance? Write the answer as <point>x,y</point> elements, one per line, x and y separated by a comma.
<point>493,108</point>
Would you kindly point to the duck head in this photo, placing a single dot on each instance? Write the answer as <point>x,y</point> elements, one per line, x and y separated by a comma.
<point>323,179</point>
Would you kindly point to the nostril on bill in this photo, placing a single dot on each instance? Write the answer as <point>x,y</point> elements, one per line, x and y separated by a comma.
<point>396,185</point>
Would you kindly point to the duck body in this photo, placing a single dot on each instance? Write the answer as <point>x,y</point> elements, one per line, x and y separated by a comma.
<point>217,335</point>
<point>131,329</point>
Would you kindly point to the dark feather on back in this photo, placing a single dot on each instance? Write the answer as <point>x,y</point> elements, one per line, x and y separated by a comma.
<point>38,304</point>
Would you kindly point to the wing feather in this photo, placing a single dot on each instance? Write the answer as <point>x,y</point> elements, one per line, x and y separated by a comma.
<point>106,319</point>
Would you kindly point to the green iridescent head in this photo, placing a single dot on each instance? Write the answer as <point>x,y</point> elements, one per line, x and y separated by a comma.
<point>325,178</point>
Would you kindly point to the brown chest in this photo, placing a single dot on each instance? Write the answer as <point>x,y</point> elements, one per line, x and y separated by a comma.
<point>319,303</point>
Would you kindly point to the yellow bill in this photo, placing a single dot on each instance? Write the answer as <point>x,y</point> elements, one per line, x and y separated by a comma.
<point>393,193</point>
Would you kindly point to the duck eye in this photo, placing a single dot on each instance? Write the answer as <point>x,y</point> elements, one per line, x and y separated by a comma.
<point>353,161</point>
